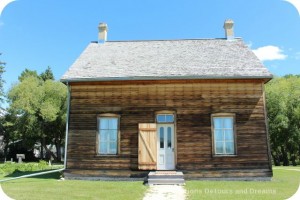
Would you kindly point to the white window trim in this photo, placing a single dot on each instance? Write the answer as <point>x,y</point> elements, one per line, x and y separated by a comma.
<point>107,115</point>
<point>165,112</point>
<point>173,112</point>
<point>165,122</point>
<point>233,116</point>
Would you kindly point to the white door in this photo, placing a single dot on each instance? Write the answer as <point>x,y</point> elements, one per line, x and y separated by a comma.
<point>165,147</point>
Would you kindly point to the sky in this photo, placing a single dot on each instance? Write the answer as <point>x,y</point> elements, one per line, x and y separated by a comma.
<point>35,34</point>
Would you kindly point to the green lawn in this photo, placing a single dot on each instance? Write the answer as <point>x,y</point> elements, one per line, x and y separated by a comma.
<point>48,187</point>
<point>283,185</point>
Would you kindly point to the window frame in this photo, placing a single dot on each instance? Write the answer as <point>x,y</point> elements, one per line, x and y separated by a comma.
<point>223,115</point>
<point>174,113</point>
<point>165,112</point>
<point>107,115</point>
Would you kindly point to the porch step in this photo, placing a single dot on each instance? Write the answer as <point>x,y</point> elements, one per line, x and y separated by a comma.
<point>165,178</point>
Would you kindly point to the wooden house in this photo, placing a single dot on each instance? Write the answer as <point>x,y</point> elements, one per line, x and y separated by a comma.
<point>193,105</point>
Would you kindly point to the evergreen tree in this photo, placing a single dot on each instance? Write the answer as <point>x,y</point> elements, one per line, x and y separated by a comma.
<point>47,75</point>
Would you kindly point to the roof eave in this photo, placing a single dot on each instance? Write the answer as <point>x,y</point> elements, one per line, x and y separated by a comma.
<point>144,78</point>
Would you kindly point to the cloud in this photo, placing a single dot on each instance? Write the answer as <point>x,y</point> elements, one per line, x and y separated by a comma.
<point>269,53</point>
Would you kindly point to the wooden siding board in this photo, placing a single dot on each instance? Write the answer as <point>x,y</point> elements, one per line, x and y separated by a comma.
<point>193,101</point>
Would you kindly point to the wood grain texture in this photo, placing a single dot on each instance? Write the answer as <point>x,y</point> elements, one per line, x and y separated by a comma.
<point>147,152</point>
<point>193,102</point>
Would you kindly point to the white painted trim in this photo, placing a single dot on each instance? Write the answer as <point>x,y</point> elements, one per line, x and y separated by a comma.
<point>165,145</point>
<point>221,115</point>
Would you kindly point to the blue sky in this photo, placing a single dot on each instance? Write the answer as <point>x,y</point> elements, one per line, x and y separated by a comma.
<point>35,34</point>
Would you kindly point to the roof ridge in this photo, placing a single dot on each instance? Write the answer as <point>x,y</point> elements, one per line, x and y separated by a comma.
<point>162,40</point>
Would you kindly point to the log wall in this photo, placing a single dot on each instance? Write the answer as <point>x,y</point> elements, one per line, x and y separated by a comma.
<point>193,101</point>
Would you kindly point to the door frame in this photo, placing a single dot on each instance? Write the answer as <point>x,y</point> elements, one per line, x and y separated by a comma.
<point>175,131</point>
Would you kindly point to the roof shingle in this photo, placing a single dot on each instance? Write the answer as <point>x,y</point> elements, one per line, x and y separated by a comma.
<point>166,59</point>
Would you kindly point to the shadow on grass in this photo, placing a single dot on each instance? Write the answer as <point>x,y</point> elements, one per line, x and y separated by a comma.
<point>17,173</point>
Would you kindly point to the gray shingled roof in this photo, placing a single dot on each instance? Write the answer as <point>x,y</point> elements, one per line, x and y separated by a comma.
<point>166,59</point>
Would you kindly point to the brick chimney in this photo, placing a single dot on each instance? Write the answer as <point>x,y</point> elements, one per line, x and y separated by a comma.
<point>228,26</point>
<point>102,35</point>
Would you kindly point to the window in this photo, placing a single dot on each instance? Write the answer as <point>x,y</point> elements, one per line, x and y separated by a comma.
<point>223,134</point>
<point>161,138</point>
<point>108,135</point>
<point>165,118</point>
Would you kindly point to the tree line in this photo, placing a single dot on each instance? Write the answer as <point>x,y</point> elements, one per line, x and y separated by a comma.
<point>36,114</point>
<point>283,106</point>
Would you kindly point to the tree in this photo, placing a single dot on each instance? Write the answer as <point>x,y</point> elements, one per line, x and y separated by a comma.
<point>283,104</point>
<point>9,122</point>
<point>1,81</point>
<point>41,106</point>
<point>47,75</point>
<point>28,73</point>
<point>2,112</point>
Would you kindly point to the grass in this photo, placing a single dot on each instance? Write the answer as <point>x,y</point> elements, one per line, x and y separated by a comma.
<point>49,187</point>
<point>9,168</point>
<point>283,185</point>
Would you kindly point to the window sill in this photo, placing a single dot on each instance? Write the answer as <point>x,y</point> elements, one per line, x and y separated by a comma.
<point>107,155</point>
<point>224,155</point>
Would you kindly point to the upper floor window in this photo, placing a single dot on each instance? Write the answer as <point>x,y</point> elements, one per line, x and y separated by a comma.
<point>108,135</point>
<point>223,134</point>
